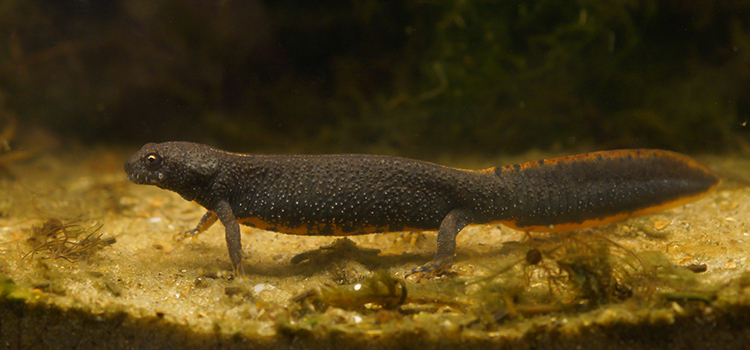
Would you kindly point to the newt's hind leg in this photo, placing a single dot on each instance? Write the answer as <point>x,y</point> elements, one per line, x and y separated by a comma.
<point>207,220</point>
<point>451,225</point>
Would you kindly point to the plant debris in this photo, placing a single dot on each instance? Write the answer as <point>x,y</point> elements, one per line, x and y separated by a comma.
<point>380,290</point>
<point>58,240</point>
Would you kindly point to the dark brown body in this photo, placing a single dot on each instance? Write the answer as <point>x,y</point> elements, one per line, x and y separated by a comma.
<point>357,194</point>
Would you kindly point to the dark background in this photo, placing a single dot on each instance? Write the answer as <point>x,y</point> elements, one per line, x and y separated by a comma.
<point>413,77</point>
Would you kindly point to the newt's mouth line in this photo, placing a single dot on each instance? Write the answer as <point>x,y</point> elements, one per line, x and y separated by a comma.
<point>141,180</point>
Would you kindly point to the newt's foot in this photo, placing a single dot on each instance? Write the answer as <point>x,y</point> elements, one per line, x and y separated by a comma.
<point>182,235</point>
<point>239,271</point>
<point>433,268</point>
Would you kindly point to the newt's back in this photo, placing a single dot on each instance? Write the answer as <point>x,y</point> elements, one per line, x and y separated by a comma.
<point>337,194</point>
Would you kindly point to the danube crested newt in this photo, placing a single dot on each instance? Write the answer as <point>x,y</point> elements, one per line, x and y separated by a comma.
<point>356,194</point>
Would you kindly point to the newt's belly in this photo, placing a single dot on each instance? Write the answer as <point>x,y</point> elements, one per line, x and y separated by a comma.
<point>328,229</point>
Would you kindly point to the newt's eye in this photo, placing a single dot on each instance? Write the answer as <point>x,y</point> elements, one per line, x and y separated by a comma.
<point>153,161</point>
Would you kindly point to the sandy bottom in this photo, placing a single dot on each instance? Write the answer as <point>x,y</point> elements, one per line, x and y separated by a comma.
<point>633,284</point>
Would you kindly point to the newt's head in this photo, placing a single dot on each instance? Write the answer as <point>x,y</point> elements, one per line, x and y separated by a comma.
<point>183,167</point>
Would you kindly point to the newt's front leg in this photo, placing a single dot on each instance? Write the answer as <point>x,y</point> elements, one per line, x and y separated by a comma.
<point>207,220</point>
<point>451,225</point>
<point>234,239</point>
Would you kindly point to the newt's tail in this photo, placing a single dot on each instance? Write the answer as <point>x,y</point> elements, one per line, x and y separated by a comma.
<point>596,188</point>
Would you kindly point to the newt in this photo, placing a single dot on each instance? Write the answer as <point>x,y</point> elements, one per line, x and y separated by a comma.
<point>353,194</point>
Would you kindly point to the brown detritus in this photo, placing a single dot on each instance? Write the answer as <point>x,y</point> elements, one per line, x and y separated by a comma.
<point>343,248</point>
<point>697,268</point>
<point>689,296</point>
<point>653,231</point>
<point>113,285</point>
<point>202,282</point>
<point>513,310</point>
<point>662,280</point>
<point>580,271</point>
<point>379,291</point>
<point>410,237</point>
<point>595,269</point>
<point>9,131</point>
<point>533,256</point>
<point>166,247</point>
<point>239,293</point>
<point>55,239</point>
<point>9,155</point>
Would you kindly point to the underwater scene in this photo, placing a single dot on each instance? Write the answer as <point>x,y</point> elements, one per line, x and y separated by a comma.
<point>224,174</point>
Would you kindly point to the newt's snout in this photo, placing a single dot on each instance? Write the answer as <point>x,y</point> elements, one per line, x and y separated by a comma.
<point>137,176</point>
